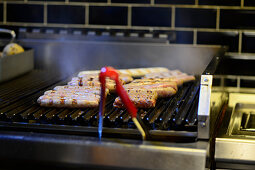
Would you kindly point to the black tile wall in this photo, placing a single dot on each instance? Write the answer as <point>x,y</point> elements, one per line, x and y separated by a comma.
<point>183,37</point>
<point>249,3</point>
<point>239,19</point>
<point>107,15</point>
<point>66,14</point>
<point>196,18</point>
<point>188,15</point>
<point>220,2</point>
<point>88,1</point>
<point>1,12</point>
<point>191,2</point>
<point>219,38</point>
<point>248,42</point>
<point>145,16</point>
<point>132,1</point>
<point>24,13</point>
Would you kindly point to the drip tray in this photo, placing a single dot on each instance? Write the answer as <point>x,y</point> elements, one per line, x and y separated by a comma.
<point>242,122</point>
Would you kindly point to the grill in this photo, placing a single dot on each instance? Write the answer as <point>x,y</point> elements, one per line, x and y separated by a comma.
<point>68,137</point>
<point>173,119</point>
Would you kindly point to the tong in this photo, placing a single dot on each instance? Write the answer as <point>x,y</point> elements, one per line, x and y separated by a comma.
<point>113,74</point>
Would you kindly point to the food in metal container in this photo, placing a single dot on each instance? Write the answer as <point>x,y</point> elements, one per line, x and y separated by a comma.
<point>12,49</point>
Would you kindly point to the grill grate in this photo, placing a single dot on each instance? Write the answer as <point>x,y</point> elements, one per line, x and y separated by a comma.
<point>172,118</point>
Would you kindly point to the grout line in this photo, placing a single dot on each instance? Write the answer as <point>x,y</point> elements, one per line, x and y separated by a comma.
<point>238,82</point>
<point>195,37</point>
<point>218,19</point>
<point>24,24</point>
<point>240,42</point>
<point>45,15</point>
<point>196,2</point>
<point>129,17</point>
<point>242,3</point>
<point>134,5</point>
<point>173,18</point>
<point>5,12</point>
<point>86,15</point>
<point>236,53</point>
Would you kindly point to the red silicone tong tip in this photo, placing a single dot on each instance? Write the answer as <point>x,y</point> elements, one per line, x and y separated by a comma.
<point>113,74</point>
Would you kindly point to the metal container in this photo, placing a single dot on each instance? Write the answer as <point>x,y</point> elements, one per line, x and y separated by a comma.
<point>15,65</point>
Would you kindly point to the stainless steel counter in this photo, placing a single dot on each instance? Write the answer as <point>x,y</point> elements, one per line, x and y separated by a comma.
<point>112,153</point>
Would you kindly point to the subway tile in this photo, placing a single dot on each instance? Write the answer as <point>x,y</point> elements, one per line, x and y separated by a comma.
<point>151,16</point>
<point>102,1</point>
<point>1,12</point>
<point>248,41</point>
<point>24,13</point>
<point>197,18</point>
<point>66,14</point>
<point>179,2</point>
<point>107,15</point>
<point>249,3</point>
<point>239,19</point>
<point>220,2</point>
<point>132,1</point>
<point>183,37</point>
<point>229,39</point>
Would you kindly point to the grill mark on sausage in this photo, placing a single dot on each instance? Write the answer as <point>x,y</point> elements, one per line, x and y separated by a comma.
<point>80,83</point>
<point>74,101</point>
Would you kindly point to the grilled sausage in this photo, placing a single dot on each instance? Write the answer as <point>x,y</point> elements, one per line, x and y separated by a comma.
<point>71,96</point>
<point>72,101</point>
<point>134,72</point>
<point>141,98</point>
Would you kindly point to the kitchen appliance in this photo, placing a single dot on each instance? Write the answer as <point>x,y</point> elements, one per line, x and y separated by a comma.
<point>233,139</point>
<point>178,137</point>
